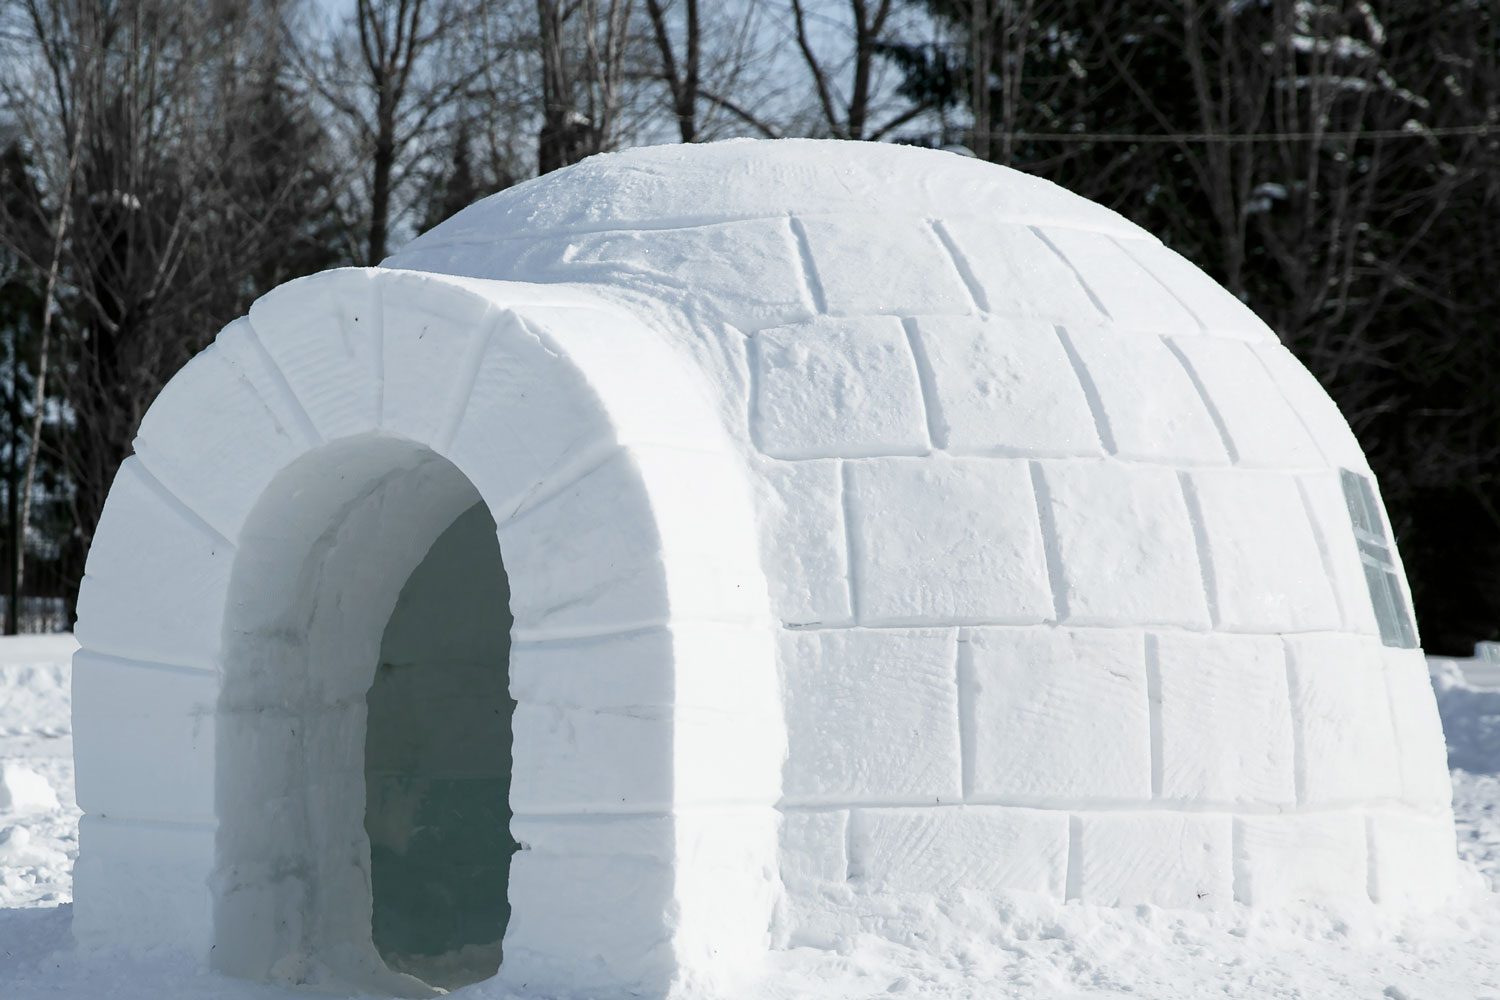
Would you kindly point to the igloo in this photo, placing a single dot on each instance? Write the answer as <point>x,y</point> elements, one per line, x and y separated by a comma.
<point>708,550</point>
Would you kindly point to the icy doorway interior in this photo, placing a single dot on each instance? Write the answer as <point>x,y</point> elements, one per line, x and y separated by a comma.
<point>438,763</point>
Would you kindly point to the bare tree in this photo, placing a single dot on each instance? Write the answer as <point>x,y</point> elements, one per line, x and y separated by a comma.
<point>158,142</point>
<point>395,77</point>
<point>849,112</point>
<point>682,75</point>
<point>713,64</point>
<point>583,46</point>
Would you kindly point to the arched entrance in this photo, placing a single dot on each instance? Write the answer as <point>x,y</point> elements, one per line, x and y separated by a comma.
<point>364,728</point>
<point>244,586</point>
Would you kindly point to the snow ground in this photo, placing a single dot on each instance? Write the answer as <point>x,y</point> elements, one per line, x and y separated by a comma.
<point>985,948</point>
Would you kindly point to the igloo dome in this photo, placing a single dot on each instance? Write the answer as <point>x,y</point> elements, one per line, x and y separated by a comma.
<point>708,550</point>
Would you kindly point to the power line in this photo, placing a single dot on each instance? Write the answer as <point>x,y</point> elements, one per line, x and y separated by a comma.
<point>1418,132</point>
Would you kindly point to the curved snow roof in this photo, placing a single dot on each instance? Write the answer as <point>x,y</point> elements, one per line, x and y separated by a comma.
<point>687,185</point>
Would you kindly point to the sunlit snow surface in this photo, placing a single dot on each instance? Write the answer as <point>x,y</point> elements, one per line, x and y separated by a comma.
<point>1010,947</point>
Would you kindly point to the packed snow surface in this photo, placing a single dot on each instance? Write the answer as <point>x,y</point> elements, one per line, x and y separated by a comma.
<point>985,947</point>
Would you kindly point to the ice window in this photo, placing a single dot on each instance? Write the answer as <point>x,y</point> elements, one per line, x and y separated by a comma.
<point>1380,568</point>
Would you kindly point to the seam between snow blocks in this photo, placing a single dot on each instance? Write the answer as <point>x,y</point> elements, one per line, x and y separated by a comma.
<point>683,222</point>
<point>1052,555</point>
<point>1202,326</point>
<point>1155,807</point>
<point>849,868</point>
<point>1153,712</point>
<point>1090,391</point>
<point>752,392</point>
<point>180,506</point>
<point>960,264</point>
<point>1205,397</point>
<point>284,386</point>
<point>474,353</point>
<point>1077,274</point>
<point>1325,553</point>
<point>1255,350</point>
<point>851,539</point>
<point>557,479</point>
<point>1073,883</point>
<point>377,353</point>
<point>1239,870</point>
<point>1294,706</point>
<point>1200,542</point>
<point>809,267</point>
<point>963,681</point>
<point>937,433</point>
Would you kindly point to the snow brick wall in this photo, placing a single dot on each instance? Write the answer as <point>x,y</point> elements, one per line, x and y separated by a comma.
<point>881,526</point>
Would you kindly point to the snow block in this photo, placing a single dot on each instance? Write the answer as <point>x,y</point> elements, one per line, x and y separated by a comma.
<point>509,457</point>
<point>1425,780</point>
<point>1329,511</point>
<point>898,268</point>
<point>837,387</point>
<point>1225,718</point>
<point>717,260</point>
<point>1287,858</point>
<point>336,379</point>
<point>1147,405</point>
<point>156,578</point>
<point>1346,742</point>
<point>212,440</point>
<point>813,848</point>
<point>574,760</point>
<point>646,669</point>
<point>816,908</point>
<point>870,715</point>
<point>590,899</point>
<point>1262,428</point>
<point>644,509</point>
<point>1116,281</point>
<point>803,541</point>
<point>1125,546</point>
<point>1314,406</point>
<point>939,851</point>
<point>140,885</point>
<point>1017,273</point>
<point>1262,557</point>
<point>1217,311</point>
<point>640,719</point>
<point>134,722</point>
<point>431,334</point>
<point>638,385</point>
<point>1057,715</point>
<point>701,504</point>
<point>726,892</point>
<point>946,542</point>
<point>1178,860</point>
<point>1411,858</point>
<point>1004,387</point>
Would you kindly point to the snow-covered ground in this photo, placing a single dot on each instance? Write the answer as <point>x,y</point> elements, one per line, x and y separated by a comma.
<point>986,948</point>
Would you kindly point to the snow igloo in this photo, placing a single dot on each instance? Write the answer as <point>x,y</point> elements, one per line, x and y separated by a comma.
<point>708,550</point>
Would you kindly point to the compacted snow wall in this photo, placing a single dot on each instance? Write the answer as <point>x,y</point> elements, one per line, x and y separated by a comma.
<point>1070,594</point>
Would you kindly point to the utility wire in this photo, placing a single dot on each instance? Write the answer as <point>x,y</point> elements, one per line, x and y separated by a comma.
<point>1416,132</point>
